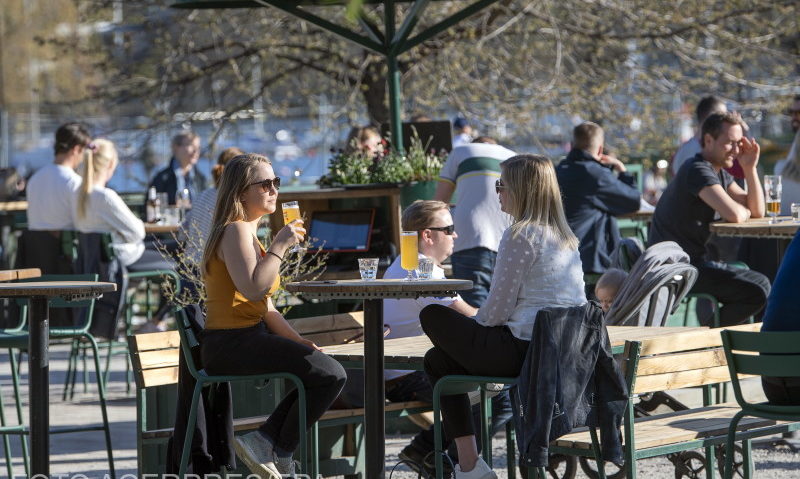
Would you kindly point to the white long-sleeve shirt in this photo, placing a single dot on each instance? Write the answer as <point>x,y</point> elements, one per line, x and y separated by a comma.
<point>51,194</point>
<point>533,271</point>
<point>107,213</point>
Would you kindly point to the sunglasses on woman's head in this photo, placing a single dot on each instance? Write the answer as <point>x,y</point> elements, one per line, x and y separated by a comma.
<point>448,230</point>
<point>268,184</point>
<point>498,185</point>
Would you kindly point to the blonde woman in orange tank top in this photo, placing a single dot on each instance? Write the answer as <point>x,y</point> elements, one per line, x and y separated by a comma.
<point>244,333</point>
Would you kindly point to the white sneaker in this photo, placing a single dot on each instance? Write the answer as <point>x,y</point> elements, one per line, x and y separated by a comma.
<point>256,453</point>
<point>480,471</point>
<point>286,466</point>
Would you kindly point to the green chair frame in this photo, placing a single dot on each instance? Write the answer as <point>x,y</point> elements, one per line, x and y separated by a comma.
<point>117,347</point>
<point>778,355</point>
<point>309,458</point>
<point>462,384</point>
<point>17,338</point>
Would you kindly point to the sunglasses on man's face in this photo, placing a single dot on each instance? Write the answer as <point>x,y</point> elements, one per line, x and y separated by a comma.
<point>498,186</point>
<point>268,184</point>
<point>448,230</point>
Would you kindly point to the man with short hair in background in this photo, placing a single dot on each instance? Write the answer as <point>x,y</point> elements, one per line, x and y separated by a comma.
<point>471,172</point>
<point>181,173</point>
<point>51,190</point>
<point>707,105</point>
<point>701,189</point>
<point>596,189</point>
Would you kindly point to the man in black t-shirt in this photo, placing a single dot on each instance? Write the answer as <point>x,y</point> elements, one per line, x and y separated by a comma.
<point>702,189</point>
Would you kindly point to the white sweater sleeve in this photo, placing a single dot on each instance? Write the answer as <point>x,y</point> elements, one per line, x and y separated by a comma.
<point>123,222</point>
<point>515,256</point>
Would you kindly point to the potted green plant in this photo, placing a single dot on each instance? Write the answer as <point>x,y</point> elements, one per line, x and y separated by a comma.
<point>415,170</point>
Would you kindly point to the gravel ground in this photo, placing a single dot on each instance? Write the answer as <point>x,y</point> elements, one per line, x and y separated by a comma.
<point>82,455</point>
<point>770,462</point>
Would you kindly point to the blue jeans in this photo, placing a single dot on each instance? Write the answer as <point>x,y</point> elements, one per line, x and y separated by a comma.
<point>475,264</point>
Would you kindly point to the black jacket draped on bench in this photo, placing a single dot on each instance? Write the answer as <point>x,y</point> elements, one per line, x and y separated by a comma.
<point>569,379</point>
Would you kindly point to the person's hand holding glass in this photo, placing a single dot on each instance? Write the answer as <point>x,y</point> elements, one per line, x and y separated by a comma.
<point>772,196</point>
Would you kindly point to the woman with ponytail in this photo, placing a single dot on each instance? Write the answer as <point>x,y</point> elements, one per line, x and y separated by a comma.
<point>101,210</point>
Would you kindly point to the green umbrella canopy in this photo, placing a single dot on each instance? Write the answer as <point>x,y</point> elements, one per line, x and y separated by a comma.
<point>390,43</point>
<point>252,4</point>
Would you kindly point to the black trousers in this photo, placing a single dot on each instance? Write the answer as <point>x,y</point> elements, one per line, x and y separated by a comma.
<point>782,391</point>
<point>742,292</point>
<point>462,346</point>
<point>255,350</point>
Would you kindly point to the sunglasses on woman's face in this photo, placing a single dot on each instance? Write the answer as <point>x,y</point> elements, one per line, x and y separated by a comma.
<point>498,186</point>
<point>448,230</point>
<point>268,184</point>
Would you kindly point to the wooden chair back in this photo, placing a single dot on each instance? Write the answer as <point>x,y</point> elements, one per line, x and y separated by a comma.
<point>691,359</point>
<point>154,357</point>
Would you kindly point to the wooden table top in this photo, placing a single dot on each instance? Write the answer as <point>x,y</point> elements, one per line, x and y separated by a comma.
<point>71,290</point>
<point>379,288</point>
<point>18,274</point>
<point>758,228</point>
<point>151,228</point>
<point>13,205</point>
<point>413,349</point>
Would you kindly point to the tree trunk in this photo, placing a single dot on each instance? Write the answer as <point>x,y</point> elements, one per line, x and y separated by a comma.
<point>373,88</point>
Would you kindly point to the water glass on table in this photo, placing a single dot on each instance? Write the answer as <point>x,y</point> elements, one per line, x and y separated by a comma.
<point>796,212</point>
<point>172,215</point>
<point>772,196</point>
<point>425,269</point>
<point>368,268</point>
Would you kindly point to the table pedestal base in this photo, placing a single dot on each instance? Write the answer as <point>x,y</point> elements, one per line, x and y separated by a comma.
<point>39,367</point>
<point>374,389</point>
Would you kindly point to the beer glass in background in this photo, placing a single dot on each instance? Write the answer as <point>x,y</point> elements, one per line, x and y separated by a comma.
<point>291,212</point>
<point>409,256</point>
<point>772,196</point>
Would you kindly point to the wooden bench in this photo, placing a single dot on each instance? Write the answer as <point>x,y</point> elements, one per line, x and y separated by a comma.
<point>682,360</point>
<point>154,357</point>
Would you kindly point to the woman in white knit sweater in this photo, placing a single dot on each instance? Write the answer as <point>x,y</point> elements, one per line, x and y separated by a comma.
<point>538,266</point>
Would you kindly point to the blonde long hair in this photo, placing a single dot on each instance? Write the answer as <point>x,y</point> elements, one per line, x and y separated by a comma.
<point>792,169</point>
<point>99,157</point>
<point>535,198</point>
<point>238,173</point>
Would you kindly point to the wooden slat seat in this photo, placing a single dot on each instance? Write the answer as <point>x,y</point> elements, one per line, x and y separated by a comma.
<point>250,423</point>
<point>676,427</point>
<point>667,362</point>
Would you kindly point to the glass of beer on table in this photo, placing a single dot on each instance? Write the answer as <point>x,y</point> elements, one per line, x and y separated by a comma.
<point>409,255</point>
<point>291,212</point>
<point>772,196</point>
